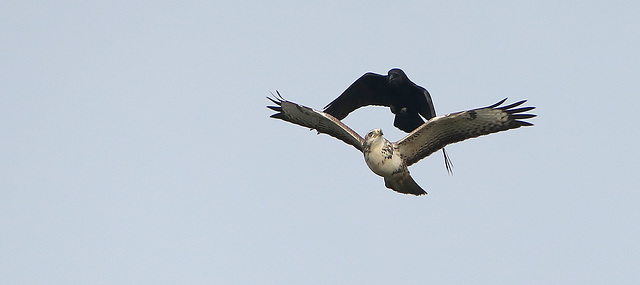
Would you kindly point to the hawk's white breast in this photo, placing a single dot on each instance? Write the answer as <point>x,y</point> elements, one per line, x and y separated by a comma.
<point>382,158</point>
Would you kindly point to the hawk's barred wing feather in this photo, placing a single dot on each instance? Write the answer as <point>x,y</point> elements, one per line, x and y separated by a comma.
<point>443,130</point>
<point>310,118</point>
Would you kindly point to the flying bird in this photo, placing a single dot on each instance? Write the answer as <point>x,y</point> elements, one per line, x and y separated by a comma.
<point>406,100</point>
<point>391,160</point>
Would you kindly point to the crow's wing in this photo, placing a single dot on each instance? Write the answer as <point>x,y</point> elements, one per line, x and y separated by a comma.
<point>426,108</point>
<point>369,89</point>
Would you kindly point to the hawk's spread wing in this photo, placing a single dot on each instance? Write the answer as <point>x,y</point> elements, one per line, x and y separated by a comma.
<point>456,127</point>
<point>322,122</point>
<point>369,89</point>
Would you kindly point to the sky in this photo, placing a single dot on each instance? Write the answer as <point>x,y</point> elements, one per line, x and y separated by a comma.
<point>137,147</point>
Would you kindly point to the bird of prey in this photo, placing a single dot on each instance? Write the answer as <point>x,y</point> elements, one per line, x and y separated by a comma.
<point>390,160</point>
<point>406,99</point>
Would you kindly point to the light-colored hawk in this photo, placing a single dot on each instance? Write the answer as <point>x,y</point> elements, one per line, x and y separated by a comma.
<point>390,160</point>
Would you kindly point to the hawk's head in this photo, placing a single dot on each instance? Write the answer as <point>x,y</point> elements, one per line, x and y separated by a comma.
<point>372,137</point>
<point>373,134</point>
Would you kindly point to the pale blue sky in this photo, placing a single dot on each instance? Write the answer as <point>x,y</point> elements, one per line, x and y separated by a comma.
<point>137,148</point>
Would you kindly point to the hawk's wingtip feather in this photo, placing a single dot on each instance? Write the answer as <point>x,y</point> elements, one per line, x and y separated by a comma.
<point>519,110</point>
<point>523,116</point>
<point>516,104</point>
<point>274,101</point>
<point>497,104</point>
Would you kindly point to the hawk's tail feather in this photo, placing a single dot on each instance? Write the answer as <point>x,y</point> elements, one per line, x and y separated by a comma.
<point>405,184</point>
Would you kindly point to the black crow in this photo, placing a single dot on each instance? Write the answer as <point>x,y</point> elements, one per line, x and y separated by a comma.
<point>406,99</point>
